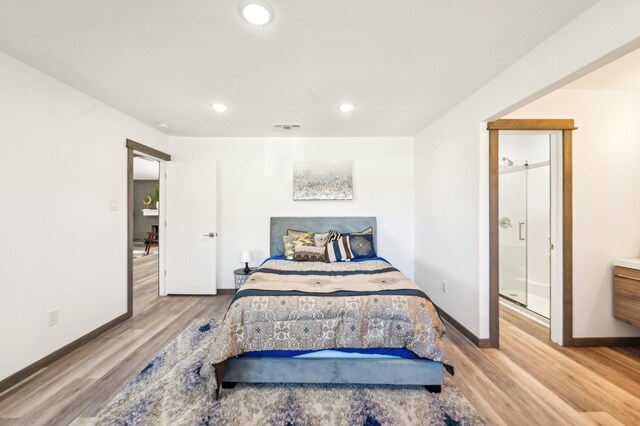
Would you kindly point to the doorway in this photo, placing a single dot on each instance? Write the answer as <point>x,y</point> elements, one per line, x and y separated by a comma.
<point>146,230</point>
<point>531,223</point>
<point>525,223</point>
<point>144,215</point>
<point>146,199</point>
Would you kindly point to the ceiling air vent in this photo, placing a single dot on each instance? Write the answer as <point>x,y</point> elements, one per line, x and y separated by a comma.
<point>287,127</point>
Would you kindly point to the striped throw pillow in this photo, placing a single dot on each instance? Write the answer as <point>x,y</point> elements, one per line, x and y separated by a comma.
<point>333,236</point>
<point>339,250</point>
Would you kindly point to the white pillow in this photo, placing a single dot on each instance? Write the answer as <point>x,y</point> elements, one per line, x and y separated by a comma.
<point>320,240</point>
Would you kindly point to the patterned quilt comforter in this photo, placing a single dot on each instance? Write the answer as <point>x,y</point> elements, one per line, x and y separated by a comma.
<point>313,306</point>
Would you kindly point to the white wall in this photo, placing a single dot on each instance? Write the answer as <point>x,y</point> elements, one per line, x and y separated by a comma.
<point>255,182</point>
<point>62,163</point>
<point>606,196</point>
<point>524,148</point>
<point>145,169</point>
<point>451,156</point>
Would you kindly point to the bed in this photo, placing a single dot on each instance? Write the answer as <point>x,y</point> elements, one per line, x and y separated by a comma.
<point>358,322</point>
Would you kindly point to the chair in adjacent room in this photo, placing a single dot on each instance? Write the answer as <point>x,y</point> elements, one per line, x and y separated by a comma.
<point>152,239</point>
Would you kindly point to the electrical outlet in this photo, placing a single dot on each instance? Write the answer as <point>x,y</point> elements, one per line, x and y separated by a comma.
<point>54,317</point>
<point>444,286</point>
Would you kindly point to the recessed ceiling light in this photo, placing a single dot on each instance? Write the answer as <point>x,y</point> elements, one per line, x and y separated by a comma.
<point>256,12</point>
<point>163,125</point>
<point>219,107</point>
<point>346,107</point>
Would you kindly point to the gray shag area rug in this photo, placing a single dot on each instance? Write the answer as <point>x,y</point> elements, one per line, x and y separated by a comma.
<point>171,391</point>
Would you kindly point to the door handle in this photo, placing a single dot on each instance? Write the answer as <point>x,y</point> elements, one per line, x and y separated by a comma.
<point>210,235</point>
<point>520,237</point>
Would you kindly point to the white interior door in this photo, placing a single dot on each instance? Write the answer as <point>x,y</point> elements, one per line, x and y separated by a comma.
<point>190,206</point>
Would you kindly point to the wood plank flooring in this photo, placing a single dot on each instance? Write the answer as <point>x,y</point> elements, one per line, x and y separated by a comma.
<point>529,381</point>
<point>76,387</point>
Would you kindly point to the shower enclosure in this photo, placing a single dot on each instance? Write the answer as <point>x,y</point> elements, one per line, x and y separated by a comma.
<point>525,225</point>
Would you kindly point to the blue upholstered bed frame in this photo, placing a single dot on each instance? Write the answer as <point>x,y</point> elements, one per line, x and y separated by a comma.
<point>402,372</point>
<point>280,225</point>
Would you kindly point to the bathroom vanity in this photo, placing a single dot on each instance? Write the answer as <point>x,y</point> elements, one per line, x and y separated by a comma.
<point>626,290</point>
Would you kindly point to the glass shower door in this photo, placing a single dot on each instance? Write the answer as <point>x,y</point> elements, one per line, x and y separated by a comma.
<point>512,233</point>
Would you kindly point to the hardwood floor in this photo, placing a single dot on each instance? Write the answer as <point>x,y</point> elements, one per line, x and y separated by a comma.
<point>529,381</point>
<point>76,387</point>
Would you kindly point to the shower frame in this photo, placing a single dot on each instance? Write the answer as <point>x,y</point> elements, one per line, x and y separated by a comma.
<point>566,126</point>
<point>525,168</point>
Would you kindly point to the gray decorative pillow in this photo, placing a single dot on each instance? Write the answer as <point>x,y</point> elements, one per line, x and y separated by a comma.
<point>320,240</point>
<point>309,254</point>
<point>369,230</point>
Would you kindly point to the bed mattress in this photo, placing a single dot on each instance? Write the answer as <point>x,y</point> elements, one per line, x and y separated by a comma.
<point>300,308</point>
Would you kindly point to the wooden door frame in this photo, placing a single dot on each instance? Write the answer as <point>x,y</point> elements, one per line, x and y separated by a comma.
<point>566,126</point>
<point>161,156</point>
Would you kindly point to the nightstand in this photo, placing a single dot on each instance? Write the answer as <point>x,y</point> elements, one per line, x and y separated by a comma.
<point>240,277</point>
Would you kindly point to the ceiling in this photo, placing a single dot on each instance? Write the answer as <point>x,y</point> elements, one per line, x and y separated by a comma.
<point>621,74</point>
<point>402,63</point>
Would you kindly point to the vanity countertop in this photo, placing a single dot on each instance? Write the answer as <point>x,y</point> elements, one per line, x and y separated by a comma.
<point>628,263</point>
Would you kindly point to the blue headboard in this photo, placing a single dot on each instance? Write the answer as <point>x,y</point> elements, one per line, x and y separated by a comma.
<point>280,225</point>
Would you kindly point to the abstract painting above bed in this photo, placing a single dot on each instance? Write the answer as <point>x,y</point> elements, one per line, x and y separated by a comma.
<point>322,180</point>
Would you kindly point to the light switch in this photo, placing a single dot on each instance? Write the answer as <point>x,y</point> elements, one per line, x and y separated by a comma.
<point>114,206</point>
<point>53,317</point>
